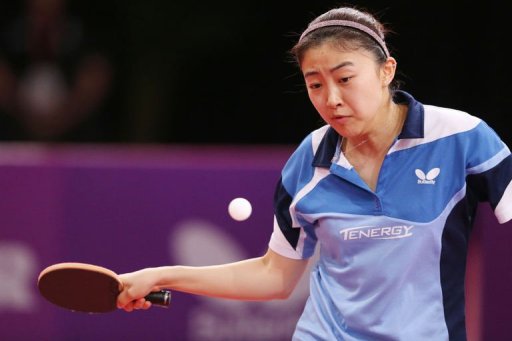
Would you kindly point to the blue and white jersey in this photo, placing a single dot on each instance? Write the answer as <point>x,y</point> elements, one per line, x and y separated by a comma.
<point>391,261</point>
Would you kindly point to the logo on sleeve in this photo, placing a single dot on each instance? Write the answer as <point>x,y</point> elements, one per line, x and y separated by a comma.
<point>429,178</point>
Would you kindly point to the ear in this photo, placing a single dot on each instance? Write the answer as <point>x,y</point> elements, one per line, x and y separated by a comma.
<point>388,70</point>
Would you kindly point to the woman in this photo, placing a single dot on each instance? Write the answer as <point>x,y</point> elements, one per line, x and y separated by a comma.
<point>387,189</point>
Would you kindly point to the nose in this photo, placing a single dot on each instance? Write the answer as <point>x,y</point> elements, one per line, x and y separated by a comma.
<point>334,98</point>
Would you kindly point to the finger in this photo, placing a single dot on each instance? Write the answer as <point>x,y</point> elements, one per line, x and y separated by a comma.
<point>123,300</point>
<point>147,305</point>
<point>128,307</point>
<point>139,304</point>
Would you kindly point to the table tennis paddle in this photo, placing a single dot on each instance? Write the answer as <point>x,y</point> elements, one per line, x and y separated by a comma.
<point>87,288</point>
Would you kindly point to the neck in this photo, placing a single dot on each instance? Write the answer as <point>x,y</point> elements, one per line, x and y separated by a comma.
<point>387,128</point>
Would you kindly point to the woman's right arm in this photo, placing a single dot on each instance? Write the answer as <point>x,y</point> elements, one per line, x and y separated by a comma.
<point>271,276</point>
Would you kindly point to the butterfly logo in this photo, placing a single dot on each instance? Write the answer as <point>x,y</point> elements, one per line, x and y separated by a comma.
<point>429,178</point>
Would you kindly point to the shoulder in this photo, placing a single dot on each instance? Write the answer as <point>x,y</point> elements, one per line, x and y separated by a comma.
<point>478,138</point>
<point>432,121</point>
<point>310,144</point>
<point>448,121</point>
<point>299,166</point>
<point>441,122</point>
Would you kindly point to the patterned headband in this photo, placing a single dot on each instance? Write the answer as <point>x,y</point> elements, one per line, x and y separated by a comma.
<point>347,23</point>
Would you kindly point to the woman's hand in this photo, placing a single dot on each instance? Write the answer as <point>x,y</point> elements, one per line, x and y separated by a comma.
<point>136,285</point>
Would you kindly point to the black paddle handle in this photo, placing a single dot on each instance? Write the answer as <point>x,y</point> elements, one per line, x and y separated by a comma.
<point>160,298</point>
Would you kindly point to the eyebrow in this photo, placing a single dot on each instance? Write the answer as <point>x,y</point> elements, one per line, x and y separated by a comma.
<point>337,67</point>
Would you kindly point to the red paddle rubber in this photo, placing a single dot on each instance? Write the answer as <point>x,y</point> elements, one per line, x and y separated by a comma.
<point>87,288</point>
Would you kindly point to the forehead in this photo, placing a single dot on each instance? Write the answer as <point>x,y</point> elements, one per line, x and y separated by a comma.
<point>328,55</point>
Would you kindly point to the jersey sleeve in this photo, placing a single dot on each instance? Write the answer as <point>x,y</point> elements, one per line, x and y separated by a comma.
<point>489,171</point>
<point>289,237</point>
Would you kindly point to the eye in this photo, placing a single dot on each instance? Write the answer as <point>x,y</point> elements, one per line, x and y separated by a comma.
<point>314,85</point>
<point>345,79</point>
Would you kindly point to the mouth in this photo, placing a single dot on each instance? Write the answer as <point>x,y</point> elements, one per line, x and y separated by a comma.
<point>339,118</point>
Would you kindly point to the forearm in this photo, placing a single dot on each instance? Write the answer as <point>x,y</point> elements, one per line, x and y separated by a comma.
<point>250,279</point>
<point>264,278</point>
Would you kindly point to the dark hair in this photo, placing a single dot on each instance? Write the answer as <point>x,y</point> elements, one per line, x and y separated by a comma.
<point>346,37</point>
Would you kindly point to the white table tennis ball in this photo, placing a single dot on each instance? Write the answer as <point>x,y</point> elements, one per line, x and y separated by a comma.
<point>240,209</point>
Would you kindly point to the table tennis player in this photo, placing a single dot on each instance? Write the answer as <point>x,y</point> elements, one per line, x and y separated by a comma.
<point>387,189</point>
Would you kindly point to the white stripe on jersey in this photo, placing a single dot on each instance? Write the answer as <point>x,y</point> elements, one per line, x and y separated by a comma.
<point>280,245</point>
<point>436,127</point>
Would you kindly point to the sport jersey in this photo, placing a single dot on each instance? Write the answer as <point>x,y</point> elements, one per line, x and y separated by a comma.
<point>391,262</point>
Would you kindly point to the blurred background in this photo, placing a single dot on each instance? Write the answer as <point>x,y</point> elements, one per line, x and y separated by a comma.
<point>219,72</point>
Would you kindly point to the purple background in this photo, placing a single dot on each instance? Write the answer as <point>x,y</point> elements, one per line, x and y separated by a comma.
<point>136,206</point>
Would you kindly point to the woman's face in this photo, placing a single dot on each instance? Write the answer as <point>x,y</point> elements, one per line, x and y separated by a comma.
<point>347,87</point>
